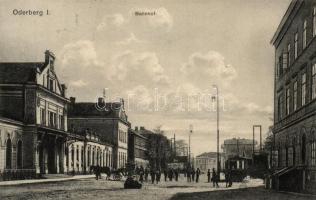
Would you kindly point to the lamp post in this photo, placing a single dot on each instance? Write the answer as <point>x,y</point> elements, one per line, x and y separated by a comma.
<point>217,124</point>
<point>191,131</point>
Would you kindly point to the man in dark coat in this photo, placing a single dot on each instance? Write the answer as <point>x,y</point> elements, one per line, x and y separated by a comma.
<point>197,174</point>
<point>193,174</point>
<point>152,176</point>
<point>208,175</point>
<point>165,173</point>
<point>176,174</point>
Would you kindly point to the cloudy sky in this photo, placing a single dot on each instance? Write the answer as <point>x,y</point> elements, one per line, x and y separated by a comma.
<point>165,65</point>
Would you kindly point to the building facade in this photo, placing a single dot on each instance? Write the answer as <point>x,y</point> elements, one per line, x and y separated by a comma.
<point>108,120</point>
<point>137,149</point>
<point>294,148</point>
<point>206,161</point>
<point>35,102</point>
<point>85,151</point>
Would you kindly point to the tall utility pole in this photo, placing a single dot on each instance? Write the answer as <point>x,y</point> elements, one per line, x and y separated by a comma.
<point>217,125</point>
<point>191,131</point>
<point>175,145</point>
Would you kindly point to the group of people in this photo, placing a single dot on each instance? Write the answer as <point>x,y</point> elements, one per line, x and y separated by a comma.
<point>193,175</point>
<point>155,175</point>
<point>215,178</point>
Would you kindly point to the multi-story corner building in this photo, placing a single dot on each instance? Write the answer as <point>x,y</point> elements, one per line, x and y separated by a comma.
<point>33,113</point>
<point>295,98</point>
<point>238,153</point>
<point>137,149</point>
<point>108,120</point>
<point>85,150</point>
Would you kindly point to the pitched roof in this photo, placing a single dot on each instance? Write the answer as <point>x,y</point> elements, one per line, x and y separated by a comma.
<point>90,109</point>
<point>19,72</point>
<point>240,141</point>
<point>209,154</point>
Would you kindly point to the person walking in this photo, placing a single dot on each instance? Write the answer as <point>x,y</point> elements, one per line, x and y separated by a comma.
<point>213,177</point>
<point>176,174</point>
<point>189,175</point>
<point>158,175</point>
<point>197,174</point>
<point>193,174</point>
<point>141,176</point>
<point>146,174</point>
<point>208,175</point>
<point>152,176</point>
<point>165,173</point>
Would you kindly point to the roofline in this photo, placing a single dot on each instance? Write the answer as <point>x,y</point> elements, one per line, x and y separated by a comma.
<point>284,19</point>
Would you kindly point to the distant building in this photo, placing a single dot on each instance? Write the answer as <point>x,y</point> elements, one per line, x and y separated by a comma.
<point>137,149</point>
<point>33,110</point>
<point>207,161</point>
<point>294,145</point>
<point>110,124</point>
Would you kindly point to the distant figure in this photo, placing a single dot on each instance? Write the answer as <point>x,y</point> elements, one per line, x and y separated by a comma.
<point>230,178</point>
<point>189,175</point>
<point>146,174</point>
<point>208,175</point>
<point>152,176</point>
<point>141,176</point>
<point>193,174</point>
<point>197,174</point>
<point>214,178</point>
<point>176,174</point>
<point>158,175</point>
<point>165,173</point>
<point>171,174</point>
<point>97,172</point>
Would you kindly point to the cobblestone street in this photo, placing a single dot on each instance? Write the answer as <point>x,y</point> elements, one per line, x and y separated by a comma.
<point>103,189</point>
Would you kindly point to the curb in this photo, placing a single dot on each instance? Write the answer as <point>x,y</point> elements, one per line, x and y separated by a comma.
<point>35,181</point>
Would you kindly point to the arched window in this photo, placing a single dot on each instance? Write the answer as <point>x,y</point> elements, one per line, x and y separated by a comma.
<point>313,148</point>
<point>19,154</point>
<point>9,154</point>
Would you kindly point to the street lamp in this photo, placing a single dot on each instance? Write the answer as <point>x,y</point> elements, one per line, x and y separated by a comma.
<point>191,131</point>
<point>217,124</point>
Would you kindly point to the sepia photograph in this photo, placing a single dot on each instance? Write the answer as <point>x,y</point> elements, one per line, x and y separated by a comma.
<point>157,99</point>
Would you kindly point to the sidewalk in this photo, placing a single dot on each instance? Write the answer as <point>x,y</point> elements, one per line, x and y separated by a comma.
<point>31,181</point>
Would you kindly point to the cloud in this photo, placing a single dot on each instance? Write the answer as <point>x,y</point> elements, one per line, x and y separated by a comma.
<point>131,39</point>
<point>138,68</point>
<point>161,19</point>
<point>115,20</point>
<point>78,83</point>
<point>209,68</point>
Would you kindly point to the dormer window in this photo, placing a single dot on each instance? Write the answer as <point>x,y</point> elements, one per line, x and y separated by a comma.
<point>51,85</point>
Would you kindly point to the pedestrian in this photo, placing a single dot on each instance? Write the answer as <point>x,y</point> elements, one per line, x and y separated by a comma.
<point>97,172</point>
<point>213,177</point>
<point>165,173</point>
<point>189,175</point>
<point>230,178</point>
<point>158,175</point>
<point>193,174</point>
<point>176,174</point>
<point>197,174</point>
<point>217,179</point>
<point>170,174</point>
<point>141,176</point>
<point>146,174</point>
<point>208,175</point>
<point>152,176</point>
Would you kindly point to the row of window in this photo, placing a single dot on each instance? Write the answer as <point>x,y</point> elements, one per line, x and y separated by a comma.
<point>285,60</point>
<point>102,158</point>
<point>122,159</point>
<point>54,120</point>
<point>122,136</point>
<point>292,92</point>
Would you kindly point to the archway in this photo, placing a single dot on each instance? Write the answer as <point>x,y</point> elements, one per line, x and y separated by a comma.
<point>9,154</point>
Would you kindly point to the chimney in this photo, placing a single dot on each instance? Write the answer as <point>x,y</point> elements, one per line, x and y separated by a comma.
<point>142,128</point>
<point>63,90</point>
<point>136,128</point>
<point>72,100</point>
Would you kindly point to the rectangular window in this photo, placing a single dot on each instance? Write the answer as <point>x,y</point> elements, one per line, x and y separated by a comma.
<point>285,61</point>
<point>314,21</point>
<point>304,34</point>
<point>295,45</point>
<point>280,66</point>
<point>280,107</point>
<point>43,116</point>
<point>287,101</point>
<point>288,55</point>
<point>295,96</point>
<point>51,84</point>
<point>314,81</point>
<point>303,89</point>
